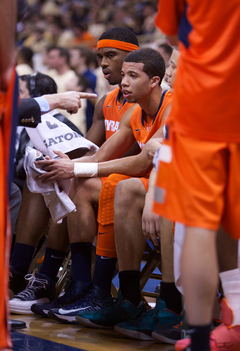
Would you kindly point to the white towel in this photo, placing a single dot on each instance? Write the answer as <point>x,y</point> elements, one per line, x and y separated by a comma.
<point>55,193</point>
<point>49,135</point>
<point>52,134</point>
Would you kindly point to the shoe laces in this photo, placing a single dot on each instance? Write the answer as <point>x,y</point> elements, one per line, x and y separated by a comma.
<point>35,284</point>
<point>72,293</point>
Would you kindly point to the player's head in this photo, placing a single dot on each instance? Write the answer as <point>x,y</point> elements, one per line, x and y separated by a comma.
<point>36,84</point>
<point>142,71</point>
<point>153,62</point>
<point>113,45</point>
<point>172,68</point>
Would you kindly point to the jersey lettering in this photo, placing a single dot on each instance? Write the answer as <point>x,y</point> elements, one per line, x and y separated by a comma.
<point>111,125</point>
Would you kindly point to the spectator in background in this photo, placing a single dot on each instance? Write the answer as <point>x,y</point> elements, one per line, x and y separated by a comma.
<point>80,61</point>
<point>79,83</point>
<point>59,70</point>
<point>149,14</point>
<point>35,39</point>
<point>82,36</point>
<point>24,61</point>
<point>57,35</point>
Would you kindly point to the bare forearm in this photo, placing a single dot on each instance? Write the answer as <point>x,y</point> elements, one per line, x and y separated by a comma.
<point>135,166</point>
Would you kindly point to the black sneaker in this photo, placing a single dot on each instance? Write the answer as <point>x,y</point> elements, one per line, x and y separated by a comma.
<point>72,293</point>
<point>40,289</point>
<point>17,282</point>
<point>93,300</point>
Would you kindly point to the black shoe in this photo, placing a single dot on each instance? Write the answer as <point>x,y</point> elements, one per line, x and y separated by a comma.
<point>73,293</point>
<point>14,324</point>
<point>40,289</point>
<point>95,299</point>
<point>17,282</point>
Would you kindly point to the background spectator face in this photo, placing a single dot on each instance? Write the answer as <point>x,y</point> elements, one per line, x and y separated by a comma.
<point>54,59</point>
<point>75,58</point>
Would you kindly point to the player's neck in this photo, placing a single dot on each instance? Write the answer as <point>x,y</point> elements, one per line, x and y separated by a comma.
<point>151,105</point>
<point>120,96</point>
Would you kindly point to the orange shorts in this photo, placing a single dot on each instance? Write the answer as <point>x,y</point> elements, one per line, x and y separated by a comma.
<point>106,241</point>
<point>198,183</point>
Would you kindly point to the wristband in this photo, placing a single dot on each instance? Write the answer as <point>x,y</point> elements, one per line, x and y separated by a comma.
<point>85,169</point>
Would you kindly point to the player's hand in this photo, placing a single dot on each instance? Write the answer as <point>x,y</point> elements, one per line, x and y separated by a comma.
<point>152,146</point>
<point>150,222</point>
<point>56,169</point>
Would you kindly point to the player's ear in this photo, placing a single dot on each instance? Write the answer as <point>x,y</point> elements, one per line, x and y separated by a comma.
<point>155,81</point>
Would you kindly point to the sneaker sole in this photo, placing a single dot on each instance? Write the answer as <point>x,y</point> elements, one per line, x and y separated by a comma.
<point>133,334</point>
<point>42,313</point>
<point>19,308</point>
<point>58,317</point>
<point>163,339</point>
<point>88,323</point>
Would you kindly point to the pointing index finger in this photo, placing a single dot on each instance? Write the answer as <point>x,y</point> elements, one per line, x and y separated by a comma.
<point>87,95</point>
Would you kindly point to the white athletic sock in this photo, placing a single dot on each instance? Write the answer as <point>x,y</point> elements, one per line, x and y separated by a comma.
<point>231,287</point>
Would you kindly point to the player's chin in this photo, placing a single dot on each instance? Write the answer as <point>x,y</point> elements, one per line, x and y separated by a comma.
<point>129,97</point>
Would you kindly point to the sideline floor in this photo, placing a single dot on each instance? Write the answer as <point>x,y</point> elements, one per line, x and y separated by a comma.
<point>48,335</point>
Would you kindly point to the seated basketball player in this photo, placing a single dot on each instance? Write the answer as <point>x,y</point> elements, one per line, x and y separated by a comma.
<point>142,75</point>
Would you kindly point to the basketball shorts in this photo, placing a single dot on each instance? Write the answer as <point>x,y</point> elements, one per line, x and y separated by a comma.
<point>198,183</point>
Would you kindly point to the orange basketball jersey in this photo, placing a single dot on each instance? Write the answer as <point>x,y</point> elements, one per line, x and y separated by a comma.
<point>143,131</point>
<point>113,111</point>
<point>206,100</point>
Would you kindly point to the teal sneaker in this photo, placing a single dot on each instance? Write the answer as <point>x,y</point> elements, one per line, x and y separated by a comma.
<point>169,327</point>
<point>108,316</point>
<point>142,327</point>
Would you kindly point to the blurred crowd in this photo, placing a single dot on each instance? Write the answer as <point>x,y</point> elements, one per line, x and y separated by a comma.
<point>68,23</point>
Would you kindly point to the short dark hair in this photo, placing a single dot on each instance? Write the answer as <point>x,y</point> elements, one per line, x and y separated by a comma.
<point>167,48</point>
<point>26,54</point>
<point>121,34</point>
<point>62,52</point>
<point>39,84</point>
<point>154,64</point>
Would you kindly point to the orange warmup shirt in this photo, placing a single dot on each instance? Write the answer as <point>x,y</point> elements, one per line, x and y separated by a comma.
<point>206,100</point>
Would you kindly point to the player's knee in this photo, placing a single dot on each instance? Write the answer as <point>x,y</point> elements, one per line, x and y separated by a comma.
<point>125,193</point>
